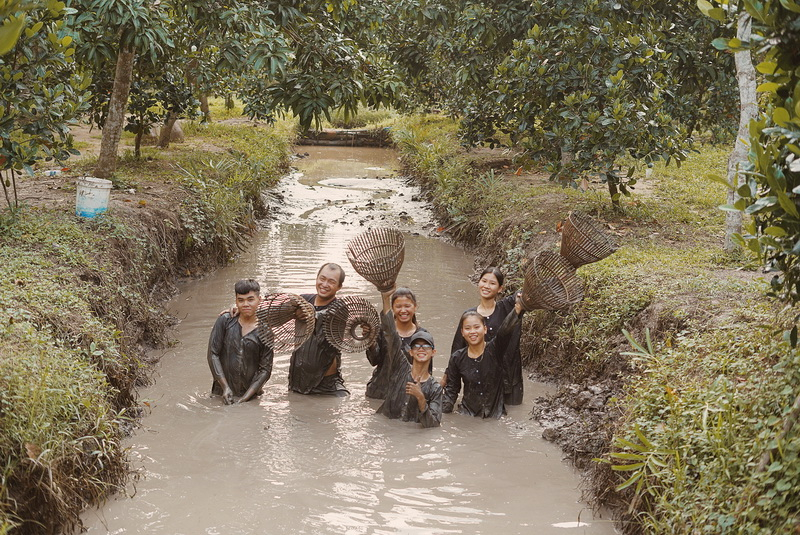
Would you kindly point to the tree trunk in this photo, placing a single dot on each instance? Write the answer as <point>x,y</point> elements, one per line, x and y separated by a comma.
<point>748,110</point>
<point>613,191</point>
<point>112,130</point>
<point>166,130</point>
<point>137,146</point>
<point>204,109</point>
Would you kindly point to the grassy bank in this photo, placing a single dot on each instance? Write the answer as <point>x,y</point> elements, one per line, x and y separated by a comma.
<point>81,304</point>
<point>684,422</point>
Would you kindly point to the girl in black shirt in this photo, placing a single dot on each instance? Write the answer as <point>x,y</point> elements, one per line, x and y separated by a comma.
<point>479,366</point>
<point>494,312</point>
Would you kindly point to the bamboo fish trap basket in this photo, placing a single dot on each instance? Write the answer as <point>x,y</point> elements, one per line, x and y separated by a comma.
<point>285,320</point>
<point>583,241</point>
<point>377,255</point>
<point>351,324</point>
<point>550,283</point>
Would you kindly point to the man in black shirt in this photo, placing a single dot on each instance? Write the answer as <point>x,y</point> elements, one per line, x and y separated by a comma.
<point>315,366</point>
<point>240,362</point>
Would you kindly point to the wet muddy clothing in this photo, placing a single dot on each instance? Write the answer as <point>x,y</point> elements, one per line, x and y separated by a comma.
<point>482,377</point>
<point>398,404</point>
<point>377,355</point>
<point>512,359</point>
<point>244,360</point>
<point>310,361</point>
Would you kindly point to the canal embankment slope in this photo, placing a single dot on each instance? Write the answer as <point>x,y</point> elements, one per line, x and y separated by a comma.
<point>81,304</point>
<point>670,422</point>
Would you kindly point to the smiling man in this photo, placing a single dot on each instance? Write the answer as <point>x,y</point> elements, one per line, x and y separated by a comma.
<point>240,362</point>
<point>315,366</point>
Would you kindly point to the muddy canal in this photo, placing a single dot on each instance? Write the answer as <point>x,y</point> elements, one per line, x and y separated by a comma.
<point>288,463</point>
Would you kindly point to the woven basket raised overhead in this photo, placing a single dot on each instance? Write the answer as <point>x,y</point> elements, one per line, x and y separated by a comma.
<point>351,324</point>
<point>550,283</point>
<point>285,320</point>
<point>377,255</point>
<point>583,240</point>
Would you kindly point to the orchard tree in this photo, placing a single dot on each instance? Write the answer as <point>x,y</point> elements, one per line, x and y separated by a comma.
<point>113,32</point>
<point>447,51</point>
<point>771,193</point>
<point>589,85</point>
<point>222,44</point>
<point>578,83</point>
<point>40,96</point>
<point>331,65</point>
<point>748,107</point>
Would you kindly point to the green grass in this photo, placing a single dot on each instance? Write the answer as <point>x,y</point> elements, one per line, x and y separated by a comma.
<point>364,118</point>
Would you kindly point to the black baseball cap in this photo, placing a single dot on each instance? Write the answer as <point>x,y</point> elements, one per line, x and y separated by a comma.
<point>421,335</point>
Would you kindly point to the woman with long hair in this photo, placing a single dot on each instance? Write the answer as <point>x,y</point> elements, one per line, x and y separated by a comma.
<point>404,311</point>
<point>494,312</point>
<point>412,394</point>
<point>479,366</point>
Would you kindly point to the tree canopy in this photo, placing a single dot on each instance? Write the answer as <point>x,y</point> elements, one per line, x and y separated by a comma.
<point>579,84</point>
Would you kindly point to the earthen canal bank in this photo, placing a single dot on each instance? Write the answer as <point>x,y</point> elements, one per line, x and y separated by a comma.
<point>129,264</point>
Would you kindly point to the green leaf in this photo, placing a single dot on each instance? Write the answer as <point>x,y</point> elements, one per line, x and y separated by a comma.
<point>768,87</point>
<point>643,439</point>
<point>705,7</point>
<point>791,5</point>
<point>10,31</point>
<point>780,116</point>
<point>717,14</point>
<point>626,467</point>
<point>720,43</point>
<point>728,208</point>
<point>775,231</point>
<point>718,179</point>
<point>767,67</point>
<point>628,456</point>
<point>631,445</point>
<point>633,479</point>
<point>761,204</point>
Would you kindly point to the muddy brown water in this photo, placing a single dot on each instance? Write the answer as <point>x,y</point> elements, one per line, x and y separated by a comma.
<point>288,463</point>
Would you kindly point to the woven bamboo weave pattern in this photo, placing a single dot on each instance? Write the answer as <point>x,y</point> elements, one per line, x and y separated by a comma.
<point>351,324</point>
<point>583,240</point>
<point>377,255</point>
<point>285,320</point>
<point>550,283</point>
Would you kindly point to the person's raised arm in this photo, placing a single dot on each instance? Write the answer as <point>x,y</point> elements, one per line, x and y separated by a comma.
<point>391,338</point>
<point>215,348</point>
<point>376,353</point>
<point>510,322</point>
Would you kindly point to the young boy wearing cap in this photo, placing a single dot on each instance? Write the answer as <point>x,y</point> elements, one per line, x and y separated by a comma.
<point>413,394</point>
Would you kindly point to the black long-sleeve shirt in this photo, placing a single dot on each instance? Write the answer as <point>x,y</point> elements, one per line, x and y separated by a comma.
<point>377,355</point>
<point>244,360</point>
<point>314,357</point>
<point>482,376</point>
<point>399,404</point>
<point>512,359</point>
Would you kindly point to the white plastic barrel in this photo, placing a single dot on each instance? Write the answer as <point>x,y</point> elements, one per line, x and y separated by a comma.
<point>91,196</point>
